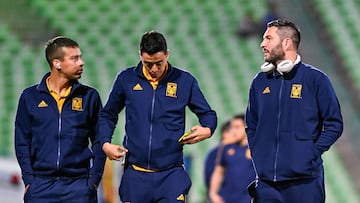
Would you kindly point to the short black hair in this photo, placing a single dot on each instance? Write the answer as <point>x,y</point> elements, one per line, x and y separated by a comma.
<point>287,29</point>
<point>53,48</point>
<point>225,126</point>
<point>239,116</point>
<point>153,42</point>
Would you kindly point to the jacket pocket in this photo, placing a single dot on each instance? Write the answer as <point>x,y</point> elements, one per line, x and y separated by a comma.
<point>80,137</point>
<point>172,131</point>
<point>296,155</point>
<point>172,126</point>
<point>303,136</point>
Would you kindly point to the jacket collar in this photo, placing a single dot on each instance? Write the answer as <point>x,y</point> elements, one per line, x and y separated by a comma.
<point>42,87</point>
<point>139,72</point>
<point>289,74</point>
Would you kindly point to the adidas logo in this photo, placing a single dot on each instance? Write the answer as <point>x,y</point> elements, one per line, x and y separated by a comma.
<point>137,87</point>
<point>42,104</point>
<point>266,90</point>
<point>181,198</point>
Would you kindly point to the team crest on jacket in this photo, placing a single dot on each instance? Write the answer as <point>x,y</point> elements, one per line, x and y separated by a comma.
<point>296,91</point>
<point>171,89</point>
<point>77,104</point>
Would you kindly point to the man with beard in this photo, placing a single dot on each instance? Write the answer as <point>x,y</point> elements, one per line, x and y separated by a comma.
<point>293,117</point>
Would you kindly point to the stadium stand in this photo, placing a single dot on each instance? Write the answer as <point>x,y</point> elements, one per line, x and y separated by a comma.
<point>341,19</point>
<point>201,37</point>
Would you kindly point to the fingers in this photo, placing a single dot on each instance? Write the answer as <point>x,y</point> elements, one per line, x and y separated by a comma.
<point>198,134</point>
<point>118,154</point>
<point>123,149</point>
<point>193,139</point>
<point>194,128</point>
<point>114,152</point>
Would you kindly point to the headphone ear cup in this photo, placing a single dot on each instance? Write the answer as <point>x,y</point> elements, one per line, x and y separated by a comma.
<point>266,67</point>
<point>285,66</point>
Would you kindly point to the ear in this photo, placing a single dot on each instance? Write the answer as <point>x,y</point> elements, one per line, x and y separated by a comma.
<point>55,62</point>
<point>167,54</point>
<point>286,43</point>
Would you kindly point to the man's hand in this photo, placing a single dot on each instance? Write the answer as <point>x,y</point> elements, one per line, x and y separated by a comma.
<point>198,134</point>
<point>114,152</point>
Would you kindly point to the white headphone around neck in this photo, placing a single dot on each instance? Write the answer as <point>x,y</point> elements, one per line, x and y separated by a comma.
<point>283,67</point>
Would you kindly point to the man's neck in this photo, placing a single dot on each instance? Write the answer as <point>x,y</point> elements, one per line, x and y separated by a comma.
<point>59,85</point>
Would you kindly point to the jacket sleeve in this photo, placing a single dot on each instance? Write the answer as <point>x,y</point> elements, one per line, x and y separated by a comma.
<point>110,113</point>
<point>23,140</point>
<point>251,117</point>
<point>97,167</point>
<point>330,113</point>
<point>198,104</point>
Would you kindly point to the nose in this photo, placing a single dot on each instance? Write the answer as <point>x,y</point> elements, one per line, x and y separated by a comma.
<point>262,44</point>
<point>153,67</point>
<point>82,63</point>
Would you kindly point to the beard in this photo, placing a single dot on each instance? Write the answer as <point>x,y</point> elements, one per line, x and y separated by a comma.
<point>274,55</point>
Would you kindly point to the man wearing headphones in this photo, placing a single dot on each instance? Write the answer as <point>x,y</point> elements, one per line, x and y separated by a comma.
<point>293,117</point>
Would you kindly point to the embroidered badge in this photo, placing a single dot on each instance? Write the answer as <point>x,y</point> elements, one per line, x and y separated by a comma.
<point>42,104</point>
<point>266,90</point>
<point>137,87</point>
<point>171,89</point>
<point>77,104</point>
<point>296,91</point>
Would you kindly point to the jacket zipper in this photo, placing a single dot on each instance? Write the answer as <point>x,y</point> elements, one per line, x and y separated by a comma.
<point>278,132</point>
<point>59,152</point>
<point>151,127</point>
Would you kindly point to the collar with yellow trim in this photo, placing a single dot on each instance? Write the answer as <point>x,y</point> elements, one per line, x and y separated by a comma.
<point>148,76</point>
<point>65,94</point>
